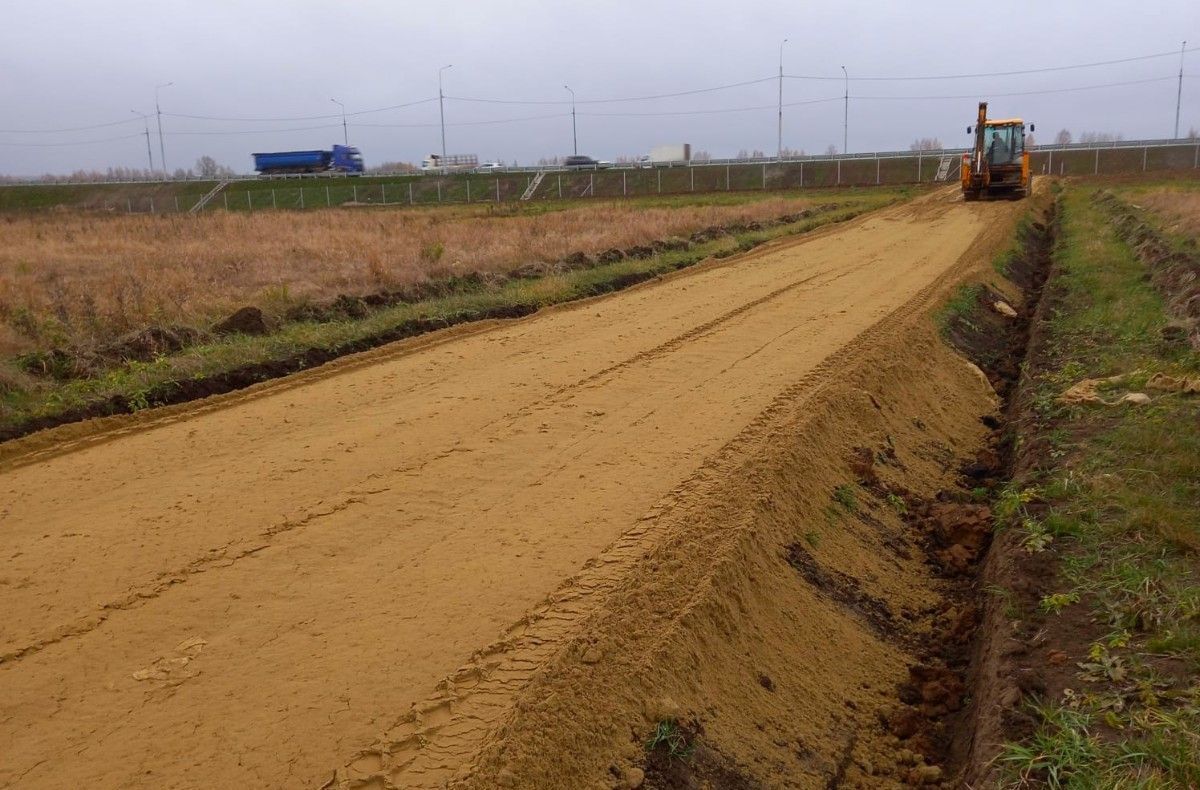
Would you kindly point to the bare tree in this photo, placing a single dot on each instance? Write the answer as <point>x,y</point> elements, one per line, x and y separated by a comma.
<point>787,152</point>
<point>1100,137</point>
<point>1193,134</point>
<point>701,156</point>
<point>926,144</point>
<point>831,150</point>
<point>1063,137</point>
<point>83,176</point>
<point>207,167</point>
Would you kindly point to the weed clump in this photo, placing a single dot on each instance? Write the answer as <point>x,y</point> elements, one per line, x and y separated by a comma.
<point>844,496</point>
<point>672,740</point>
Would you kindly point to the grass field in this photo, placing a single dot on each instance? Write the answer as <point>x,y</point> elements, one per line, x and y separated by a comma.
<point>82,279</point>
<point>73,285</point>
<point>1116,505</point>
<point>1178,206</point>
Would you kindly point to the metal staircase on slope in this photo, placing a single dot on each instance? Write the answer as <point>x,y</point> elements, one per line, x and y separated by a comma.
<point>208,196</point>
<point>533,185</point>
<point>943,168</point>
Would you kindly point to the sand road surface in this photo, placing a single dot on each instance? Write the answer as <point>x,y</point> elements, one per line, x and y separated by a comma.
<point>247,591</point>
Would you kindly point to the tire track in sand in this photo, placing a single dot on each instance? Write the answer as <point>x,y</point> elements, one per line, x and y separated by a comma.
<point>316,641</point>
<point>230,553</point>
<point>435,741</point>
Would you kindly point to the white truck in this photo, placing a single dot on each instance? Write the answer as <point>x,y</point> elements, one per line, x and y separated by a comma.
<point>679,153</point>
<point>439,164</point>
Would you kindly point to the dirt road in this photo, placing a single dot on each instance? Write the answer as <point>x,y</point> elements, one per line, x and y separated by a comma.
<point>248,591</point>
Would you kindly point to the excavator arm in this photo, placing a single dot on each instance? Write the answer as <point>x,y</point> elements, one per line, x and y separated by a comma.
<point>974,166</point>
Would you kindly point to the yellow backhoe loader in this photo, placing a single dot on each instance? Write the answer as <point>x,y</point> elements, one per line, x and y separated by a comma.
<point>998,166</point>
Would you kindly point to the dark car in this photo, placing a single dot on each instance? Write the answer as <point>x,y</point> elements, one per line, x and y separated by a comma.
<point>580,162</point>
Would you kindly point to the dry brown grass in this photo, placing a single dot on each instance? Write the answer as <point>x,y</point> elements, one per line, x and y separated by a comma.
<point>80,279</point>
<point>1181,208</point>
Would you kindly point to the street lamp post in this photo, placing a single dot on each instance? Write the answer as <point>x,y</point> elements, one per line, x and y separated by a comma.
<point>345,134</point>
<point>779,147</point>
<point>149,156</point>
<point>574,136</point>
<point>846,113</point>
<point>162,149</point>
<point>1179,90</point>
<point>442,110</point>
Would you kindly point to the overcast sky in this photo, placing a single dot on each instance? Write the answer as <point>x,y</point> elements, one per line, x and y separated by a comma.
<point>79,63</point>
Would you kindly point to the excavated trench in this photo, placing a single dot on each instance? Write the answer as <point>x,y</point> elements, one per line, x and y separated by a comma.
<point>952,693</point>
<point>947,693</point>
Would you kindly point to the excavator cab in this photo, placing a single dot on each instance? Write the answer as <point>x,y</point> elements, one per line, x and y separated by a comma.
<point>998,165</point>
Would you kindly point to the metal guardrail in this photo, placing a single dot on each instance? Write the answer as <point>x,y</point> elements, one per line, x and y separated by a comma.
<point>762,160</point>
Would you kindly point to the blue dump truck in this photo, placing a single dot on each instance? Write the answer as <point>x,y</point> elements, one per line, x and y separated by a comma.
<point>342,159</point>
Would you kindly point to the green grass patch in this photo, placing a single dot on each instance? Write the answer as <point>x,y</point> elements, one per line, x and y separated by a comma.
<point>959,306</point>
<point>1068,751</point>
<point>844,496</point>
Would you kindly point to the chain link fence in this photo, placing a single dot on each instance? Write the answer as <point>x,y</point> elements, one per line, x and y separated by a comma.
<point>857,170</point>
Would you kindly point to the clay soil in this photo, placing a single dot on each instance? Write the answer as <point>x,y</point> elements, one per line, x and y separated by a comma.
<point>499,555</point>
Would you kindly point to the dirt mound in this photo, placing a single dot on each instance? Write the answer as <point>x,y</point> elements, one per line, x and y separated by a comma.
<point>150,342</point>
<point>247,320</point>
<point>670,244</point>
<point>960,533</point>
<point>140,346</point>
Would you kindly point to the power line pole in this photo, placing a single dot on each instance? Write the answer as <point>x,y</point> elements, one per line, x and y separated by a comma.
<point>162,150</point>
<point>846,114</point>
<point>574,136</point>
<point>779,147</point>
<point>149,156</point>
<point>1179,90</point>
<point>442,110</point>
<point>345,134</point>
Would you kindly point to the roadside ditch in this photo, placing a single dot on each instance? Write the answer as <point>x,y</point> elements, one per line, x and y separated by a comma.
<point>960,690</point>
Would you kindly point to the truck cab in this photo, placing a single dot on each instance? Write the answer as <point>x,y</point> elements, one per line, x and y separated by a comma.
<point>346,159</point>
